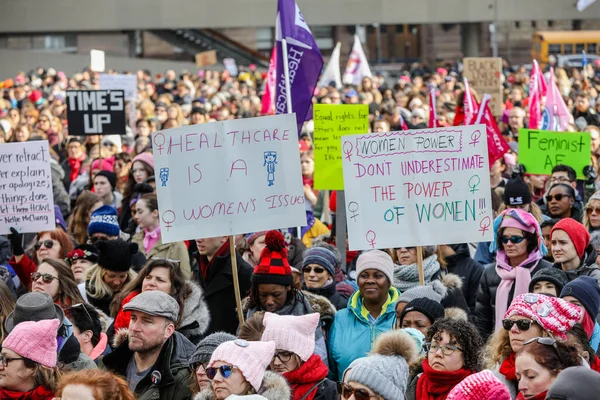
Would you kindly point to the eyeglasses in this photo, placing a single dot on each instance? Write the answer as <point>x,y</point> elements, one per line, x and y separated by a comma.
<point>359,394</point>
<point>512,239</point>
<point>46,278</point>
<point>558,197</point>
<point>561,179</point>
<point>284,356</point>
<point>522,324</point>
<point>225,371</point>
<point>318,270</point>
<point>5,360</point>
<point>84,309</point>
<point>95,239</point>
<point>108,144</point>
<point>47,243</point>
<point>546,341</point>
<point>591,210</point>
<point>195,366</point>
<point>447,349</point>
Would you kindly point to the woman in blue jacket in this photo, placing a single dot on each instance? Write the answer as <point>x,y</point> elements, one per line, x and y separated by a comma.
<point>370,312</point>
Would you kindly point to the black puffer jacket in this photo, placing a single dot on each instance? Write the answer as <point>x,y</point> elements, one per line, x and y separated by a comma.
<point>469,270</point>
<point>330,293</point>
<point>485,308</point>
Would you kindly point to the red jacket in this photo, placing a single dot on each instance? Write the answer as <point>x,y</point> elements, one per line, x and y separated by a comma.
<point>23,269</point>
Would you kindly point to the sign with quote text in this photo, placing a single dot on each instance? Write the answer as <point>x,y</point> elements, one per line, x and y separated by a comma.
<point>26,200</point>
<point>540,151</point>
<point>485,76</point>
<point>96,112</point>
<point>230,177</point>
<point>417,188</point>
<point>331,123</point>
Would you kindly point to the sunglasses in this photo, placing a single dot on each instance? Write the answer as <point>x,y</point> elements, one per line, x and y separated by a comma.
<point>318,270</point>
<point>46,278</point>
<point>359,394</point>
<point>546,341</point>
<point>95,239</point>
<point>80,305</point>
<point>47,243</point>
<point>512,239</point>
<point>522,324</point>
<point>558,197</point>
<point>195,366</point>
<point>591,210</point>
<point>225,371</point>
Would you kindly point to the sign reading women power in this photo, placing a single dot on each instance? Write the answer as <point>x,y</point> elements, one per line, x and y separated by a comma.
<point>230,177</point>
<point>417,188</point>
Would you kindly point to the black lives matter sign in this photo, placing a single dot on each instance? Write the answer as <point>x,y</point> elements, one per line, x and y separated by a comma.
<point>96,112</point>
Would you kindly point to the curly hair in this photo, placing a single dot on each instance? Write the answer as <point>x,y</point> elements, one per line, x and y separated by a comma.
<point>464,334</point>
<point>554,359</point>
<point>80,217</point>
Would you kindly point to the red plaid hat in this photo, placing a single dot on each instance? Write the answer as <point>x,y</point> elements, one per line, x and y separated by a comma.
<point>273,266</point>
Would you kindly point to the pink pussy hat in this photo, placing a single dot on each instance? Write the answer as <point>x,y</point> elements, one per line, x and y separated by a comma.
<point>35,340</point>
<point>292,333</point>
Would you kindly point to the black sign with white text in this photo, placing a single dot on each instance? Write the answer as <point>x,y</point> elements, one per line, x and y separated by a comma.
<point>96,112</point>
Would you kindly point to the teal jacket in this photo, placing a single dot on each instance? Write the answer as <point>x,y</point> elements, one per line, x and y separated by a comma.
<point>352,335</point>
<point>595,340</point>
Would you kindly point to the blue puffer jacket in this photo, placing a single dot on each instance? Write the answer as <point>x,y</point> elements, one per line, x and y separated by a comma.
<point>351,336</point>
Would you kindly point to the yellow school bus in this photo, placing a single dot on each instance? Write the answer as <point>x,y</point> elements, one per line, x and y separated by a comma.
<point>564,43</point>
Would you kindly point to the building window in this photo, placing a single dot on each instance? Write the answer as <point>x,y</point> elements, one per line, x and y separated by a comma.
<point>323,36</point>
<point>550,24</point>
<point>55,43</point>
<point>517,24</point>
<point>264,39</point>
<point>533,24</point>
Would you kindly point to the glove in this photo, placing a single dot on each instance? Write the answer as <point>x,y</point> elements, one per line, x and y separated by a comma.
<point>16,241</point>
<point>590,173</point>
<point>518,171</point>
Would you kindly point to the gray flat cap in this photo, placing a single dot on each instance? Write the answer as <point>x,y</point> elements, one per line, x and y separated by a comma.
<point>155,303</point>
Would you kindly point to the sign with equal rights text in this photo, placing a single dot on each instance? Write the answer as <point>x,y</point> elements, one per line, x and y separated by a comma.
<point>331,122</point>
<point>417,188</point>
<point>26,201</point>
<point>230,177</point>
<point>540,151</point>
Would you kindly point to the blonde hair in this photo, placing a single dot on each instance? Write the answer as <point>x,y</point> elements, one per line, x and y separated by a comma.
<point>498,348</point>
<point>586,219</point>
<point>97,288</point>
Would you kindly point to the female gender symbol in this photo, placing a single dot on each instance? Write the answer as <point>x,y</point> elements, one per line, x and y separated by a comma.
<point>484,225</point>
<point>159,145</point>
<point>168,223</point>
<point>371,236</point>
<point>353,208</point>
<point>475,137</point>
<point>474,182</point>
<point>347,147</point>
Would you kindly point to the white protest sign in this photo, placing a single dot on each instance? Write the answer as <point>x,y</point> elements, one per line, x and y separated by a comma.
<point>97,63</point>
<point>126,83</point>
<point>416,188</point>
<point>229,177</point>
<point>26,201</point>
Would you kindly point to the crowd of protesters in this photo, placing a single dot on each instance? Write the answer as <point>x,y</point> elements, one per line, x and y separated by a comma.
<point>100,308</point>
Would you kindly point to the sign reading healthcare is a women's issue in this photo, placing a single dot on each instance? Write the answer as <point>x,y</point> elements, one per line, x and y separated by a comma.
<point>230,177</point>
<point>417,188</point>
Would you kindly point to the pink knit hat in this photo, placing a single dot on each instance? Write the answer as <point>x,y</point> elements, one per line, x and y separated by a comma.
<point>292,333</point>
<point>35,341</point>
<point>145,157</point>
<point>252,358</point>
<point>482,385</point>
<point>554,315</point>
<point>108,164</point>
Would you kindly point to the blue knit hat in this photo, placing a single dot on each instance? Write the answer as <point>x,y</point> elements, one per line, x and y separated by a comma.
<point>320,256</point>
<point>586,290</point>
<point>104,220</point>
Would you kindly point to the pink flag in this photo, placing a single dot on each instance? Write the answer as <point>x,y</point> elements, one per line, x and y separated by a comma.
<point>535,96</point>
<point>268,99</point>
<point>433,123</point>
<point>556,116</point>
<point>496,144</point>
<point>471,106</point>
<point>403,123</point>
<point>542,81</point>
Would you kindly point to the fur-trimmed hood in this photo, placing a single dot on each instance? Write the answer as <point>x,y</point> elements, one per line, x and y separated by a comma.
<point>396,343</point>
<point>456,313</point>
<point>195,310</point>
<point>274,387</point>
<point>451,281</point>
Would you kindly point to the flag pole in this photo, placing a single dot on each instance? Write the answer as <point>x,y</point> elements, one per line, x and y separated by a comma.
<point>288,97</point>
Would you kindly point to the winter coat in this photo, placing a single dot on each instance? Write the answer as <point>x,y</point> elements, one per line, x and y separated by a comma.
<point>171,367</point>
<point>311,379</point>
<point>24,268</point>
<point>296,253</point>
<point>172,251</point>
<point>352,335</point>
<point>61,197</point>
<point>588,266</point>
<point>469,270</point>
<point>69,352</point>
<point>485,307</point>
<point>511,385</point>
<point>595,340</point>
<point>219,294</point>
<point>273,387</point>
<point>330,293</point>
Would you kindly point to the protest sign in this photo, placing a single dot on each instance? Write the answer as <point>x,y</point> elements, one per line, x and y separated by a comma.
<point>231,66</point>
<point>540,151</point>
<point>331,122</point>
<point>229,177</point>
<point>416,188</point>
<point>97,63</point>
<point>485,76</point>
<point>96,112</point>
<point>206,58</point>
<point>26,201</point>
<point>126,83</point>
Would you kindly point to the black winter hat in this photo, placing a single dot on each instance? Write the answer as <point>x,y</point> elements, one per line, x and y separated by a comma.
<point>586,290</point>
<point>116,255</point>
<point>111,176</point>
<point>430,308</point>
<point>516,193</point>
<point>553,275</point>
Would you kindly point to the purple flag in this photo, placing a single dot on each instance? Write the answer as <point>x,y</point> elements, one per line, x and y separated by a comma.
<point>304,61</point>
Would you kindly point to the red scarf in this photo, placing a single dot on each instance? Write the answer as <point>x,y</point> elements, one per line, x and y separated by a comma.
<point>435,385</point>
<point>588,324</point>
<point>205,264</point>
<point>75,164</point>
<point>39,393</point>
<point>508,367</point>
<point>539,396</point>
<point>306,377</point>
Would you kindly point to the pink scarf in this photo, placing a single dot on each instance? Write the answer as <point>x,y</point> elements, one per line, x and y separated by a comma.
<point>150,238</point>
<point>518,276</point>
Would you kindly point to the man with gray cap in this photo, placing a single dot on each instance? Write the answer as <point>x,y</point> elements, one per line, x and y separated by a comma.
<point>154,359</point>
